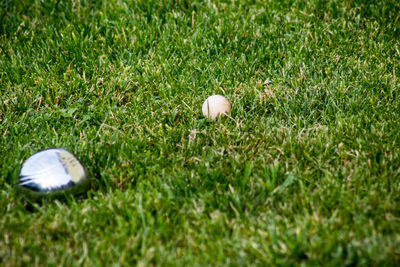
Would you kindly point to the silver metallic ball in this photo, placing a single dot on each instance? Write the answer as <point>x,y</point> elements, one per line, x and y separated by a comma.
<point>51,172</point>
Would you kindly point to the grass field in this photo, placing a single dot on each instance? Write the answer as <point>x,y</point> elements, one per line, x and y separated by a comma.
<point>304,172</point>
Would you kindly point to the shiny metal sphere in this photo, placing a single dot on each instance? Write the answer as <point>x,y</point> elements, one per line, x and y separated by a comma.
<point>51,172</point>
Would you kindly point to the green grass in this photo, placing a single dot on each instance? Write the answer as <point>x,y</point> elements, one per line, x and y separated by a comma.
<point>306,170</point>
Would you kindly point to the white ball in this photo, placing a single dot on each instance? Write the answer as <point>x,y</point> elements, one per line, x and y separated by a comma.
<point>215,105</point>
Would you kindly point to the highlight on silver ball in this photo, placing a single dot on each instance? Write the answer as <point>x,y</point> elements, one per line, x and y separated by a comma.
<point>52,171</point>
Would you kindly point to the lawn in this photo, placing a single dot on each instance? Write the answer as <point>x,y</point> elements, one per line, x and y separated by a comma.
<point>305,171</point>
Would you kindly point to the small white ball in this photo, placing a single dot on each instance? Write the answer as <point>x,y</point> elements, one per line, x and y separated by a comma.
<point>216,105</point>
